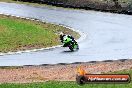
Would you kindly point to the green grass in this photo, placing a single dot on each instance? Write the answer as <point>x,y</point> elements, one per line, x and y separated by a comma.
<point>53,84</point>
<point>20,34</point>
<point>59,84</point>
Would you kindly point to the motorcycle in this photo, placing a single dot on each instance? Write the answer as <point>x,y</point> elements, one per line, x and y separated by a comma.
<point>68,42</point>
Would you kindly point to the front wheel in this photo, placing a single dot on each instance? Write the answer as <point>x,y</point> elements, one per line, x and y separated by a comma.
<point>76,46</point>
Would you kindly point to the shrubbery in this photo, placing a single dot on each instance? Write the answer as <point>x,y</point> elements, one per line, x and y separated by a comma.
<point>104,5</point>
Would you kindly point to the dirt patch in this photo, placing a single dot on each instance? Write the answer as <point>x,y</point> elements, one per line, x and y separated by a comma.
<point>58,72</point>
<point>2,29</point>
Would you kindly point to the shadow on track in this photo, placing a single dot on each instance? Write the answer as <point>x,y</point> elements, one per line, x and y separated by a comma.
<point>69,51</point>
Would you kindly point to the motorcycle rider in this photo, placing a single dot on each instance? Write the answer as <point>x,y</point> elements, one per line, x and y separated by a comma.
<point>62,36</point>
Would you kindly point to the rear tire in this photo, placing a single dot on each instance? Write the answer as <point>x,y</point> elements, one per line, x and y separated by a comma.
<point>71,48</point>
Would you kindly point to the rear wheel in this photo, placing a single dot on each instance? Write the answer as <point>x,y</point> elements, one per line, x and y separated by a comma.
<point>71,48</point>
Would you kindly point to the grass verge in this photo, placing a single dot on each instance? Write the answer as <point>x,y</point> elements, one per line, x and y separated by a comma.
<point>59,84</point>
<point>21,34</point>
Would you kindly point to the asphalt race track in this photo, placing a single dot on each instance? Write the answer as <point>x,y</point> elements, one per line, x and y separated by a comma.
<point>108,36</point>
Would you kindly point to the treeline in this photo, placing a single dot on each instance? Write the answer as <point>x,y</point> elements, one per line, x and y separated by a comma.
<point>120,6</point>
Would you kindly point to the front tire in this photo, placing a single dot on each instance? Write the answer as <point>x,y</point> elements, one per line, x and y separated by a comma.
<point>77,46</point>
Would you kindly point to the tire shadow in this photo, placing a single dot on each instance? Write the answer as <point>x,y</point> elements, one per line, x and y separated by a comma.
<point>69,51</point>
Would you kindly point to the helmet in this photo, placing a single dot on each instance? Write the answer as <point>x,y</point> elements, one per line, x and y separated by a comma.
<point>61,33</point>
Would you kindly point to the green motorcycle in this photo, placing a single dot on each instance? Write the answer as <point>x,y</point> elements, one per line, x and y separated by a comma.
<point>68,42</point>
